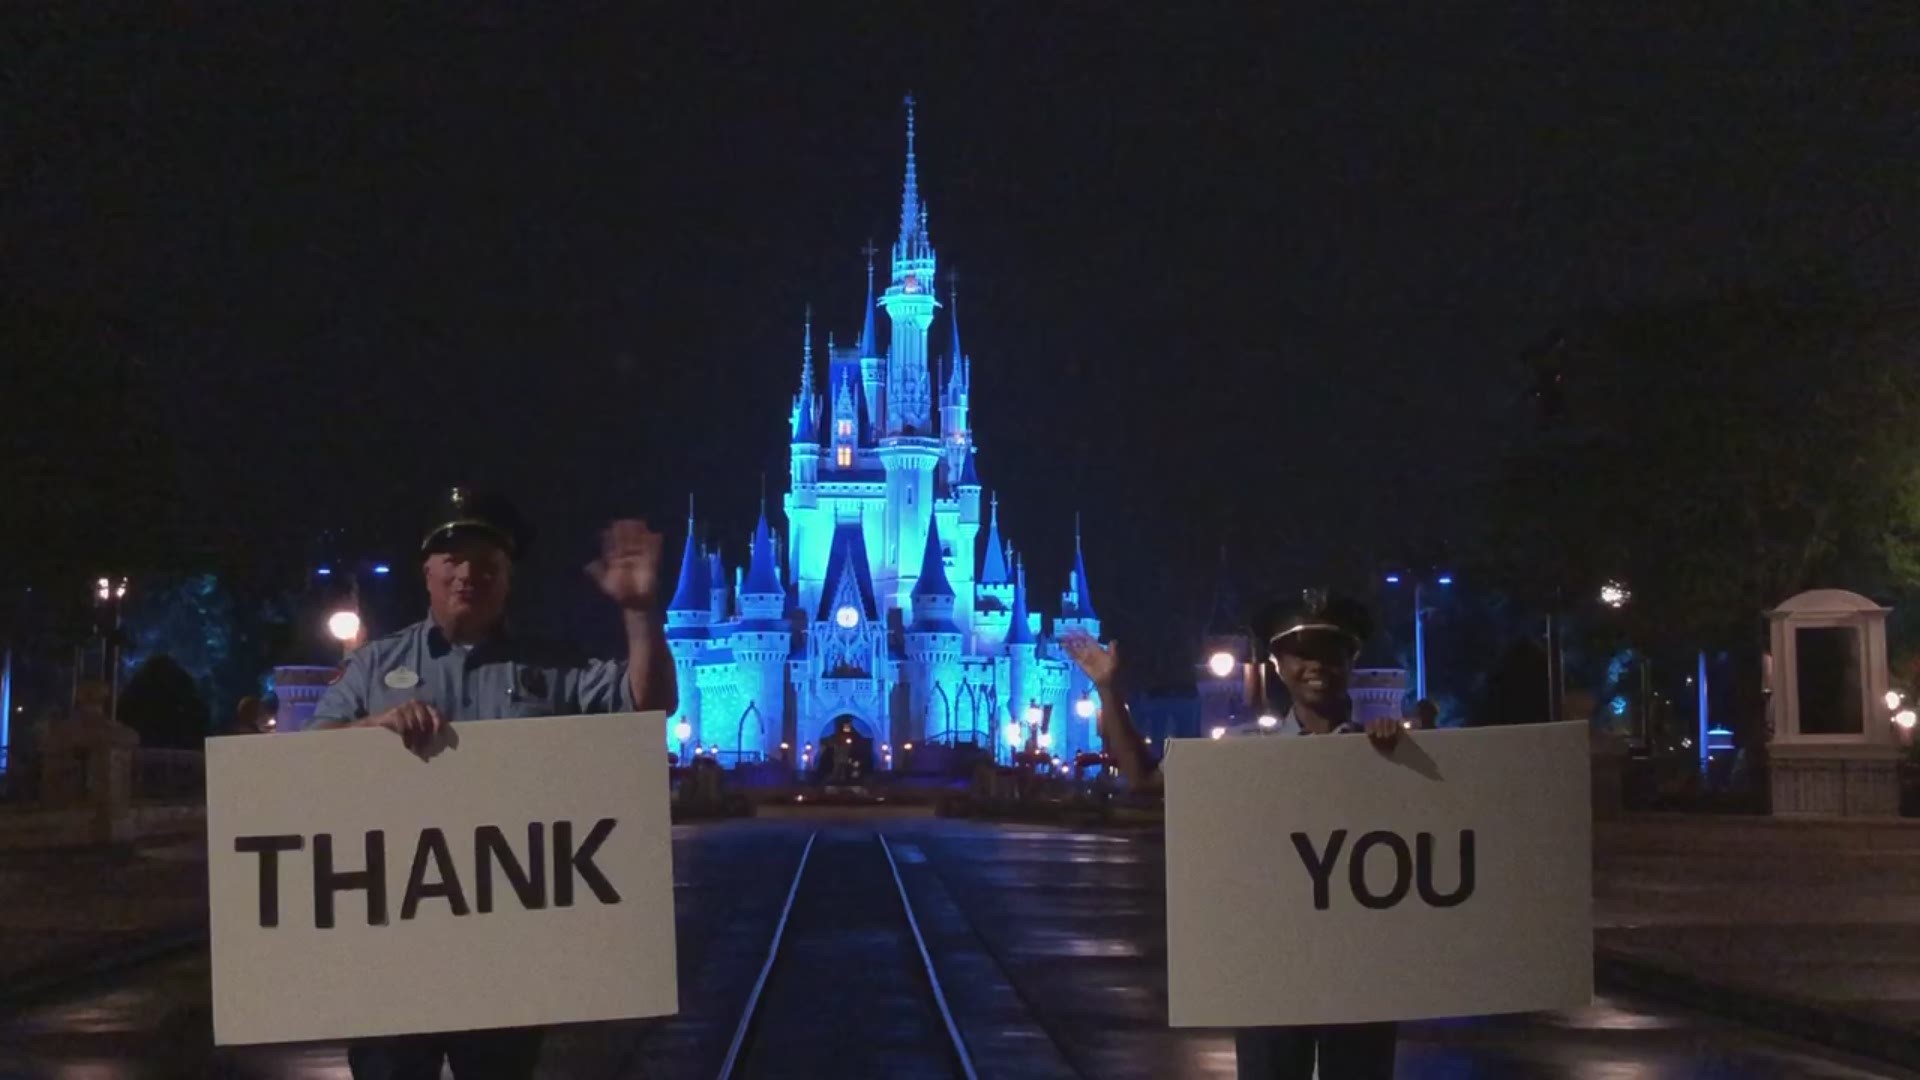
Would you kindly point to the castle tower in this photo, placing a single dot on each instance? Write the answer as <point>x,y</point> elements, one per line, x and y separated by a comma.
<point>956,437</point>
<point>933,647</point>
<point>910,305</point>
<point>762,643</point>
<point>873,366</point>
<point>802,501</point>
<point>909,450</point>
<point>1079,728</point>
<point>689,617</point>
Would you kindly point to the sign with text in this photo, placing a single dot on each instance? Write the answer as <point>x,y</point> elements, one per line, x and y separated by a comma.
<point>1318,880</point>
<point>522,875</point>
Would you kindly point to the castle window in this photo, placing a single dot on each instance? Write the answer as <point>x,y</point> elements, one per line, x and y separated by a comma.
<point>843,456</point>
<point>845,429</point>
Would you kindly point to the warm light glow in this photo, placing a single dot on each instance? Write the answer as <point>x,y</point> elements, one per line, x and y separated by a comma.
<point>1615,595</point>
<point>1904,719</point>
<point>1408,724</point>
<point>1012,733</point>
<point>1269,721</point>
<point>848,617</point>
<point>886,748</point>
<point>344,625</point>
<point>1221,664</point>
<point>1893,699</point>
<point>1045,740</point>
<point>843,457</point>
<point>1035,715</point>
<point>907,746</point>
<point>1148,740</point>
<point>1083,708</point>
<point>683,731</point>
<point>784,746</point>
<point>1217,733</point>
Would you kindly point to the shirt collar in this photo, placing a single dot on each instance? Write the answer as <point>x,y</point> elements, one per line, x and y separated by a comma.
<point>439,645</point>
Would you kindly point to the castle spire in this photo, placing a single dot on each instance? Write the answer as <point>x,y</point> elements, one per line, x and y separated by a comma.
<point>993,570</point>
<point>762,575</point>
<point>1082,595</point>
<point>866,329</point>
<point>933,569</point>
<point>912,217</point>
<point>803,404</point>
<point>692,592</point>
<point>1019,632</point>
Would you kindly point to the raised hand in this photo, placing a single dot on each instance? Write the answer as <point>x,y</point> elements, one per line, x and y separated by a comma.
<point>1100,663</point>
<point>628,569</point>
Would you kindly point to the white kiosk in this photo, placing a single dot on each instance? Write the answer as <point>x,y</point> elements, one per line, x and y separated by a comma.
<point>1833,750</point>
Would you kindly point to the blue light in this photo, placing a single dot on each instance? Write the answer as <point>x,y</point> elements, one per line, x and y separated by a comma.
<point>1393,579</point>
<point>382,569</point>
<point>325,571</point>
<point>1446,579</point>
<point>1618,705</point>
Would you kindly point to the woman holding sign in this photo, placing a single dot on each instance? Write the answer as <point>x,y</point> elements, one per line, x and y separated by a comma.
<point>1312,642</point>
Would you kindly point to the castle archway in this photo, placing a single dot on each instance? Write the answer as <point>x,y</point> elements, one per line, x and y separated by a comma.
<point>846,751</point>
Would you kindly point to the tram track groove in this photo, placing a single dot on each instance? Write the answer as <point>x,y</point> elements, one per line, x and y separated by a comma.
<point>800,928</point>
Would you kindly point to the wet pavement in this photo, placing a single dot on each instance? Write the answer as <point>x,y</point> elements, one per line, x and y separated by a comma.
<point>1050,946</point>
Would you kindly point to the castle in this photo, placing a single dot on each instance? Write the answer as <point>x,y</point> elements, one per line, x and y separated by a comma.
<point>885,618</point>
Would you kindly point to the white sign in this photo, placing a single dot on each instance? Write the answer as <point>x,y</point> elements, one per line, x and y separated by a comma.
<point>521,876</point>
<point>1318,880</point>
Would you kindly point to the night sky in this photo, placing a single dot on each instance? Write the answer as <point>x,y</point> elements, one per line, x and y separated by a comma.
<point>1255,283</point>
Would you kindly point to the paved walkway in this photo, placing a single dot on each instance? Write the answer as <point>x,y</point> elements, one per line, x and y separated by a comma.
<point>1811,929</point>
<point>1807,927</point>
<point>65,912</point>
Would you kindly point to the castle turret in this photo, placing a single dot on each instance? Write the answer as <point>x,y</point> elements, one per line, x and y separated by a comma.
<point>933,647</point>
<point>956,438</point>
<point>910,306</point>
<point>689,616</point>
<point>762,643</point>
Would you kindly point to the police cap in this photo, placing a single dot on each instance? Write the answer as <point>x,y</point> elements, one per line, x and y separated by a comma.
<point>1312,611</point>
<point>463,513</point>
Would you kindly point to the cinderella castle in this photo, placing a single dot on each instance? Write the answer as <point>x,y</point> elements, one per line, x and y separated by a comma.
<point>883,620</point>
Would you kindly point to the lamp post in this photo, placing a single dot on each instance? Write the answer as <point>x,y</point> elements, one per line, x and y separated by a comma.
<point>344,625</point>
<point>1420,581</point>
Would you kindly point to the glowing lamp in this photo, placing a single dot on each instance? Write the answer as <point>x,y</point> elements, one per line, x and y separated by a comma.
<point>886,748</point>
<point>1045,740</point>
<point>1221,664</point>
<point>1393,579</point>
<point>1083,708</point>
<point>1904,719</point>
<point>848,617</point>
<point>1269,721</point>
<point>382,569</point>
<point>1615,595</point>
<point>784,746</point>
<point>1893,699</point>
<point>344,625</point>
<point>907,746</point>
<point>683,731</point>
<point>325,571</point>
<point>1217,733</point>
<point>1445,579</point>
<point>1012,733</point>
<point>1035,715</point>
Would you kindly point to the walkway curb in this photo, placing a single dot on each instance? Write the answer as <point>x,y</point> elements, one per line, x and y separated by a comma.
<point>40,983</point>
<point>1775,1013</point>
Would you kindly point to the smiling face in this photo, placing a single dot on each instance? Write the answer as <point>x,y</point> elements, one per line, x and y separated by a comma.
<point>467,588</point>
<point>1316,667</point>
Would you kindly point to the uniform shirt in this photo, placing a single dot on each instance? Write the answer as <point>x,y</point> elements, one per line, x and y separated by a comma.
<point>505,676</point>
<point>1290,725</point>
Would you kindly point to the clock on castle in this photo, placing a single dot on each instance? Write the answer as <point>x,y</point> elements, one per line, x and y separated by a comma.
<point>881,612</point>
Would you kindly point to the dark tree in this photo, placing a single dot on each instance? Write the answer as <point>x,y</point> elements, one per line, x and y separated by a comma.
<point>163,704</point>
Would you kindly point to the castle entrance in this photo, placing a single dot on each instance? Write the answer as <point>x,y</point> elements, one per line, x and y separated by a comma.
<point>846,752</point>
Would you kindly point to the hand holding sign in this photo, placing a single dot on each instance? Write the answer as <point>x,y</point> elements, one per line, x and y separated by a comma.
<point>417,723</point>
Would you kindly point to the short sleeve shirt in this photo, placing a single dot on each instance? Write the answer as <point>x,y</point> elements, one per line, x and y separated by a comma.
<point>503,677</point>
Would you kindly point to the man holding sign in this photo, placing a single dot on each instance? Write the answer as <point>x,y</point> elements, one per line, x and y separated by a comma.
<point>1312,643</point>
<point>462,663</point>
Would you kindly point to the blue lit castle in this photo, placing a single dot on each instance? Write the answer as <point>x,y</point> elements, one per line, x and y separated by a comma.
<point>885,617</point>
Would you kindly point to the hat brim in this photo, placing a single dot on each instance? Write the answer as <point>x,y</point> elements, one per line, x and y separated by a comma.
<point>1295,631</point>
<point>446,535</point>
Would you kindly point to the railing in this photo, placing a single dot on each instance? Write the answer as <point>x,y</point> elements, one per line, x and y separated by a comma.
<point>169,774</point>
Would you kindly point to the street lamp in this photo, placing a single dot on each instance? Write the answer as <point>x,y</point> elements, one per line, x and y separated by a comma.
<point>1904,719</point>
<point>1894,698</point>
<point>1221,664</point>
<point>1217,733</point>
<point>1443,580</point>
<point>344,625</point>
<point>1615,595</point>
<point>1083,708</point>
